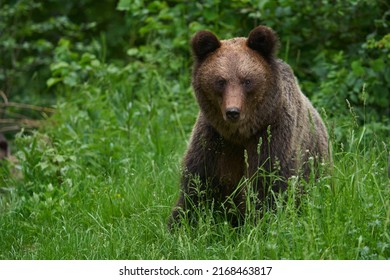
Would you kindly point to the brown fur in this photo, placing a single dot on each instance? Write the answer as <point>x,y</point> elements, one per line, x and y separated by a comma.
<point>246,95</point>
<point>4,150</point>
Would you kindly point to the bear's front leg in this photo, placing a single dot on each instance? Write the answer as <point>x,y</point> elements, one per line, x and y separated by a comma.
<point>188,199</point>
<point>198,168</point>
<point>177,211</point>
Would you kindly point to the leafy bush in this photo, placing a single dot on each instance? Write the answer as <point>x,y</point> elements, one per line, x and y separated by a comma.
<point>28,34</point>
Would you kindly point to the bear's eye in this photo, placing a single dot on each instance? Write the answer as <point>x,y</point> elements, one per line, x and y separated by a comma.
<point>221,83</point>
<point>247,82</point>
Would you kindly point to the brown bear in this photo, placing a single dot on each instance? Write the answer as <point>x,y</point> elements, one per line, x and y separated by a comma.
<point>253,120</point>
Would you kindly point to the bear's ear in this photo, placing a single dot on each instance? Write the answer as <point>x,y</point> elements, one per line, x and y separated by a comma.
<point>263,40</point>
<point>203,43</point>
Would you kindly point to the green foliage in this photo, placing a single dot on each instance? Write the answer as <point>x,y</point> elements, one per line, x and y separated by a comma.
<point>71,68</point>
<point>26,43</point>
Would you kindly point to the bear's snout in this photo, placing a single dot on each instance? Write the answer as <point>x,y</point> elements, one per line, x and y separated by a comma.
<point>232,114</point>
<point>232,104</point>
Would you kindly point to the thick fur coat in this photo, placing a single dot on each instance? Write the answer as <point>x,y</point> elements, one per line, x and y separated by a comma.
<point>253,119</point>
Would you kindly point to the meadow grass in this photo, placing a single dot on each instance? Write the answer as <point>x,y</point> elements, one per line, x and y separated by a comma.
<point>99,180</point>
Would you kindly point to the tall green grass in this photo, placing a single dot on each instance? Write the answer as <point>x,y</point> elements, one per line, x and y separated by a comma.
<point>100,179</point>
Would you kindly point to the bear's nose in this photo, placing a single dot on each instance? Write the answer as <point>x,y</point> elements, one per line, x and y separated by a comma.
<point>232,113</point>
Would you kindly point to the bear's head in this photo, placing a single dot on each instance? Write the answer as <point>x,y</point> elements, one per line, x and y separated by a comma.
<point>235,81</point>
